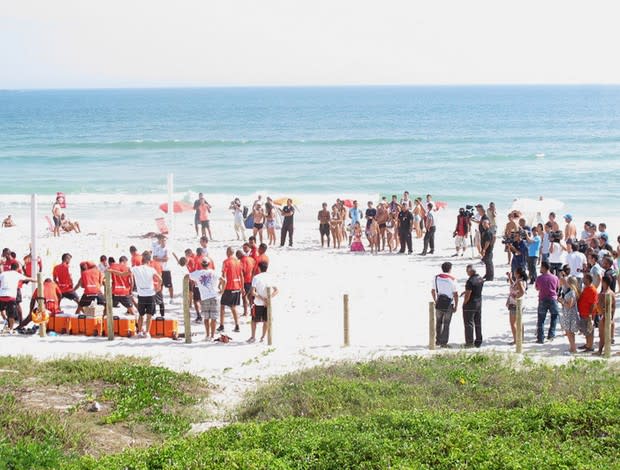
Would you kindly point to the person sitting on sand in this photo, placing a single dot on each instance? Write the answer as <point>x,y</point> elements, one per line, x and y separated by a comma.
<point>8,222</point>
<point>356,241</point>
<point>69,226</point>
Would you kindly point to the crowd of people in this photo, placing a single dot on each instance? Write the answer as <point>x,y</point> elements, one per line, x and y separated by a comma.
<point>574,276</point>
<point>391,224</point>
<point>138,283</point>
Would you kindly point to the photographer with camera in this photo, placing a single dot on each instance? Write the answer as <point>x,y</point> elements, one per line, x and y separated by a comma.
<point>533,242</point>
<point>463,227</point>
<point>518,248</point>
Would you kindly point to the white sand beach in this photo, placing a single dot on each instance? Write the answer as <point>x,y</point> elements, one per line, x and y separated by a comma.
<point>389,296</point>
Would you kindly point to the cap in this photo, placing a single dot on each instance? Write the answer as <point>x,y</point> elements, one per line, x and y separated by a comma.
<point>568,216</point>
<point>604,236</point>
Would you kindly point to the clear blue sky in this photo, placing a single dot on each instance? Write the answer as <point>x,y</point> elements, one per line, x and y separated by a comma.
<point>113,43</point>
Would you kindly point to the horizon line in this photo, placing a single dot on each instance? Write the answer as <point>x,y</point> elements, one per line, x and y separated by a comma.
<point>361,85</point>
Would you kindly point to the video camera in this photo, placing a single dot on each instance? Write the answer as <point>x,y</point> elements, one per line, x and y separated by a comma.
<point>469,211</point>
<point>510,239</point>
<point>555,236</point>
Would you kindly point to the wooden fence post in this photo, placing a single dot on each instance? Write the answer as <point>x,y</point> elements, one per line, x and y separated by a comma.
<point>187,325</point>
<point>519,327</point>
<point>345,302</point>
<point>269,318</point>
<point>609,298</point>
<point>41,305</point>
<point>432,331</point>
<point>109,314</point>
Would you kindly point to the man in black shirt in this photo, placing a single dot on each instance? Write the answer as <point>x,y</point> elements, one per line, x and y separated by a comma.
<point>288,213</point>
<point>487,242</point>
<point>405,223</point>
<point>371,213</point>
<point>472,308</point>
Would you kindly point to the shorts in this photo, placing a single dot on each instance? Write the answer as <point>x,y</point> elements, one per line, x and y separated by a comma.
<point>196,293</point>
<point>512,309</point>
<point>86,300</point>
<point>166,279</point>
<point>124,300</point>
<point>10,307</point>
<point>231,298</point>
<point>204,223</point>
<point>71,295</point>
<point>324,229</point>
<point>57,221</point>
<point>146,305</point>
<point>582,326</point>
<point>210,308</point>
<point>258,226</point>
<point>247,287</point>
<point>382,226</point>
<point>460,242</point>
<point>259,314</point>
<point>270,224</point>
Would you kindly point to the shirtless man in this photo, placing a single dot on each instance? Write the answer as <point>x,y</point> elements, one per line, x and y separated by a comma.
<point>554,225</point>
<point>56,217</point>
<point>381,218</point>
<point>324,218</point>
<point>570,231</point>
<point>259,221</point>
<point>511,227</point>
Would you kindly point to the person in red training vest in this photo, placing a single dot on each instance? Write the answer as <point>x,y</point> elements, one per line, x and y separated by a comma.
<point>51,300</point>
<point>62,277</point>
<point>121,285</point>
<point>261,258</point>
<point>232,273</point>
<point>247,264</point>
<point>91,280</point>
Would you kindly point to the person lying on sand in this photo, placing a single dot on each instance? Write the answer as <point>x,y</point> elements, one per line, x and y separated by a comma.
<point>8,222</point>
<point>69,226</point>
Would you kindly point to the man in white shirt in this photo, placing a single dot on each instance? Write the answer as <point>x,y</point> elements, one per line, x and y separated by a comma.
<point>210,286</point>
<point>260,283</point>
<point>576,260</point>
<point>446,297</point>
<point>9,283</point>
<point>144,279</point>
<point>160,253</point>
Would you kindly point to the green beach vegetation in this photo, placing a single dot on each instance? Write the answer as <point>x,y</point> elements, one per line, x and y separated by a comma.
<point>446,411</point>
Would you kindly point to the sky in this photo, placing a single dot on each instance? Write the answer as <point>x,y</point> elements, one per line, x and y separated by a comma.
<point>138,43</point>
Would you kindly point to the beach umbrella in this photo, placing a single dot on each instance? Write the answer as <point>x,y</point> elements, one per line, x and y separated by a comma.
<point>283,200</point>
<point>347,203</point>
<point>177,207</point>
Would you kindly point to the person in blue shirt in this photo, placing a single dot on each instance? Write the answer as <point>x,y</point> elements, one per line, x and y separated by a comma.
<point>534,242</point>
<point>355,214</point>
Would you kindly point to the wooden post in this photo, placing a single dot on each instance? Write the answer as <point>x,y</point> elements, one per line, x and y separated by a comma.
<point>41,305</point>
<point>269,318</point>
<point>345,302</point>
<point>109,314</point>
<point>186,318</point>
<point>519,327</point>
<point>609,298</point>
<point>432,331</point>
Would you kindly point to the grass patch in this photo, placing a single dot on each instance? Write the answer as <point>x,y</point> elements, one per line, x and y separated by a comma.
<point>43,413</point>
<point>570,435</point>
<point>457,382</point>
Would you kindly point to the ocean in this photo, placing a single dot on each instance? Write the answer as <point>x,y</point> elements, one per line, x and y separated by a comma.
<point>462,144</point>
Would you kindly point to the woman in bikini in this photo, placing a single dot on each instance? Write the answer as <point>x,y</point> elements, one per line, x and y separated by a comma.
<point>382,218</point>
<point>418,215</point>
<point>270,221</point>
<point>335,224</point>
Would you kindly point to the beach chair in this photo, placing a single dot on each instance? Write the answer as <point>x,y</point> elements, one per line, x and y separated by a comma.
<point>50,226</point>
<point>161,225</point>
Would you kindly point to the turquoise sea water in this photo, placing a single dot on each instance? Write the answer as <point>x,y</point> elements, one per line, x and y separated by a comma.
<point>463,144</point>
